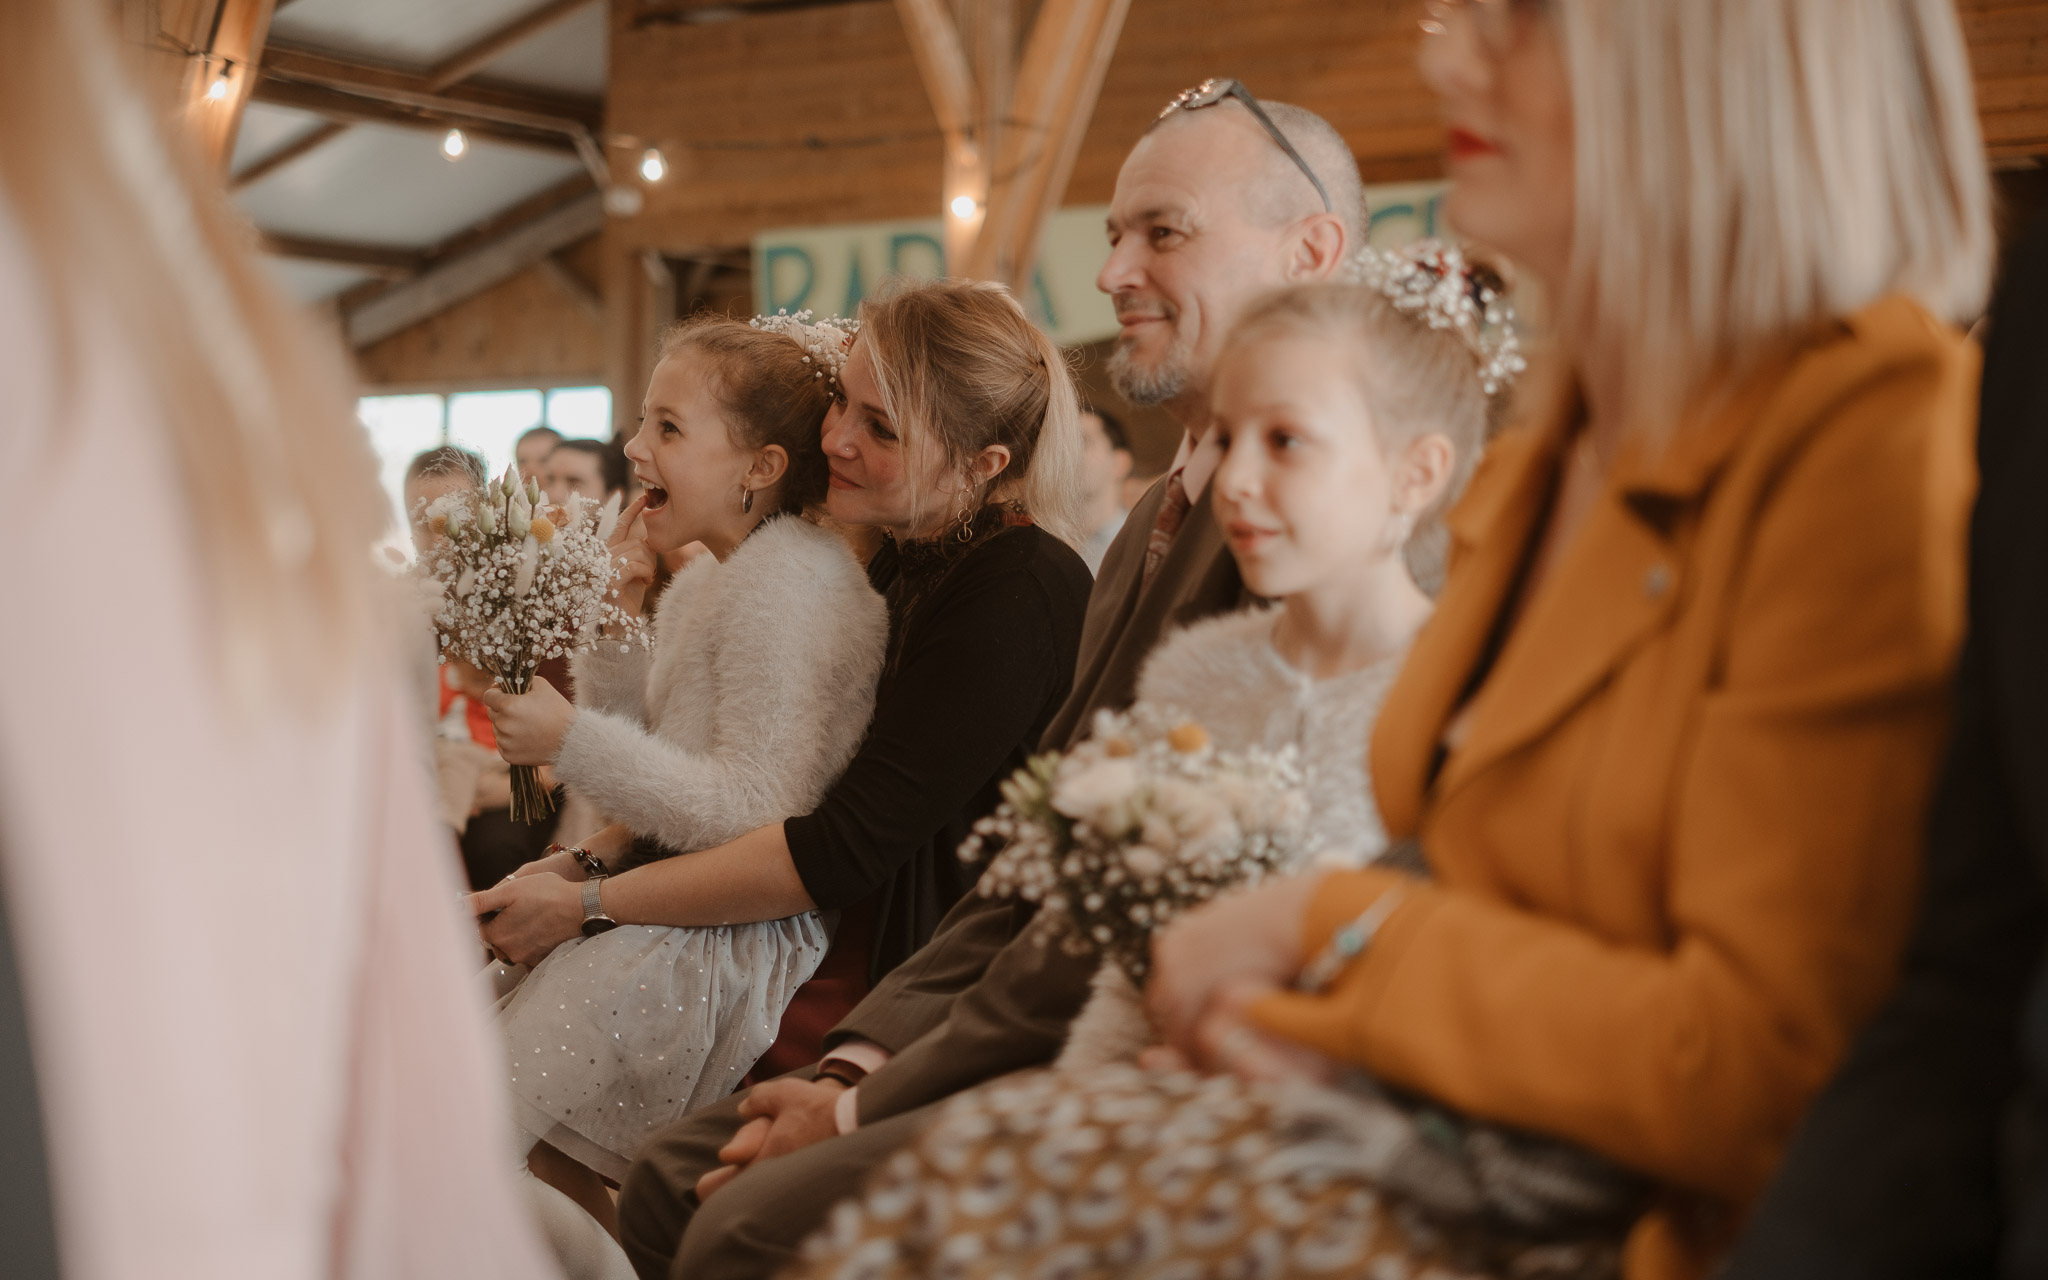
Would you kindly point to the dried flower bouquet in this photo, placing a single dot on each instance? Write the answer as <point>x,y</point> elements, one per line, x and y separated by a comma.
<point>522,582</point>
<point>1138,824</point>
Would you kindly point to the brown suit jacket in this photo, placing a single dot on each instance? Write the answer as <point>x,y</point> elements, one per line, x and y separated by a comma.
<point>984,996</point>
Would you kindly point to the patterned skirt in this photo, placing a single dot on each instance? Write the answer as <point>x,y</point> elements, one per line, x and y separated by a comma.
<point>1121,1172</point>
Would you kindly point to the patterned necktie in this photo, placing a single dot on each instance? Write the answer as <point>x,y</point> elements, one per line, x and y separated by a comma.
<point>1172,512</point>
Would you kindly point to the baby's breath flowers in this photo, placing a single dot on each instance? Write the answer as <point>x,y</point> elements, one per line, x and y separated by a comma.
<point>521,582</point>
<point>1136,825</point>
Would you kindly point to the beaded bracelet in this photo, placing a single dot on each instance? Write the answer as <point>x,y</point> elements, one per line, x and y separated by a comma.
<point>1349,942</point>
<point>592,867</point>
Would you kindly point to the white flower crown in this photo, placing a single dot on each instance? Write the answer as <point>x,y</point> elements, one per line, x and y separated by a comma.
<point>825,341</point>
<point>1432,281</point>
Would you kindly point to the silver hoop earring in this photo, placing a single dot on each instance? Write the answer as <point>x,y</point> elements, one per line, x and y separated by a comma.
<point>746,501</point>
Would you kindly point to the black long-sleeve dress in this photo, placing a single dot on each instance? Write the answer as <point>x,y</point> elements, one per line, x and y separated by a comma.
<point>982,645</point>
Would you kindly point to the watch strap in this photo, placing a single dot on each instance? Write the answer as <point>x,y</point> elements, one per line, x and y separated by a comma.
<point>593,904</point>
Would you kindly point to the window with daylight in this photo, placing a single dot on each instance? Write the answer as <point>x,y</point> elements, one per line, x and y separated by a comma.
<point>489,422</point>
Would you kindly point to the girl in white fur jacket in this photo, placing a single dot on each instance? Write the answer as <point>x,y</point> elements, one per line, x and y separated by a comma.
<point>1342,423</point>
<point>756,694</point>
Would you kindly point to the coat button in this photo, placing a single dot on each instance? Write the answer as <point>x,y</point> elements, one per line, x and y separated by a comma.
<point>1657,581</point>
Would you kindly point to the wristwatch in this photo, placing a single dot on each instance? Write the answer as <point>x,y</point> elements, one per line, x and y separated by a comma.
<point>595,921</point>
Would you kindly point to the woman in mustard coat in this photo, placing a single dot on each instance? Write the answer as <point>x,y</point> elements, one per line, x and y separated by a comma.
<point>1666,744</point>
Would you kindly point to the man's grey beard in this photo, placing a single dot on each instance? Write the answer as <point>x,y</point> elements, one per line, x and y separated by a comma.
<point>1147,385</point>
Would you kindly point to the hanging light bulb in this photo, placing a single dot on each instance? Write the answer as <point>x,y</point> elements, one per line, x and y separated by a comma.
<point>453,144</point>
<point>218,90</point>
<point>964,207</point>
<point>653,165</point>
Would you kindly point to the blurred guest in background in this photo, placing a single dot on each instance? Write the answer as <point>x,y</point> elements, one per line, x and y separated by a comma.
<point>260,1050</point>
<point>531,452</point>
<point>432,474</point>
<point>1928,1155</point>
<point>1105,466</point>
<point>595,469</point>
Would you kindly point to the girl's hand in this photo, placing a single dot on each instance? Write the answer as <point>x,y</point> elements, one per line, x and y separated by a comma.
<point>530,725</point>
<point>535,914</point>
<point>632,559</point>
<point>1243,941</point>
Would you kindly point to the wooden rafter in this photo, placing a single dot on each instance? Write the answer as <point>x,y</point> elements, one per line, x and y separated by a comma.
<point>402,88</point>
<point>340,107</point>
<point>376,259</point>
<point>1010,147</point>
<point>311,141</point>
<point>342,75</point>
<point>479,53</point>
<point>473,269</point>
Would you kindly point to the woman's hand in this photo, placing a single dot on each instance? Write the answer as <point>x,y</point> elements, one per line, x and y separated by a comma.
<point>535,914</point>
<point>1243,943</point>
<point>1225,1040</point>
<point>530,725</point>
<point>632,558</point>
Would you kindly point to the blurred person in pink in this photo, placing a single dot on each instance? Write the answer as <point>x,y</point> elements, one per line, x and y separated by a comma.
<point>258,1049</point>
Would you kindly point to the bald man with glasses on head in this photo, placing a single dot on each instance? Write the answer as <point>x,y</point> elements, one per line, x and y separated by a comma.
<point>1224,198</point>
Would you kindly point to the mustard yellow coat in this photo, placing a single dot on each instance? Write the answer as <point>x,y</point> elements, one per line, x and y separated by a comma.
<point>1676,850</point>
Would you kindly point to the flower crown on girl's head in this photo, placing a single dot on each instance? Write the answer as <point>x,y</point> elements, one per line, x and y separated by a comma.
<point>1432,281</point>
<point>825,342</point>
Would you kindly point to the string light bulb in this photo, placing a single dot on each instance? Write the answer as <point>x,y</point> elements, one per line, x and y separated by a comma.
<point>653,165</point>
<point>218,89</point>
<point>964,207</point>
<point>454,143</point>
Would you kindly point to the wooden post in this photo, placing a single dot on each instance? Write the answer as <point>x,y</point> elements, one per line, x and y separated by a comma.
<point>205,54</point>
<point>1011,136</point>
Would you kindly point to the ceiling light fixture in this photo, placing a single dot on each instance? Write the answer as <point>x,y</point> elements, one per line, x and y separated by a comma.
<point>964,207</point>
<point>217,88</point>
<point>453,144</point>
<point>653,165</point>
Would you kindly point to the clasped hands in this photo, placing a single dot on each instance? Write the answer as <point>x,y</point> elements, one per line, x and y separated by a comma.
<point>540,906</point>
<point>1208,968</point>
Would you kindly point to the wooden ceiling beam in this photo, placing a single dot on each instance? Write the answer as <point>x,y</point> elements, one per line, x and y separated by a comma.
<point>478,54</point>
<point>464,275</point>
<point>351,108</point>
<point>378,260</point>
<point>284,155</point>
<point>333,72</point>
<point>403,88</point>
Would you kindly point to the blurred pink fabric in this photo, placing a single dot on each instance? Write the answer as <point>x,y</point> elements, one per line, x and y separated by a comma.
<point>260,1045</point>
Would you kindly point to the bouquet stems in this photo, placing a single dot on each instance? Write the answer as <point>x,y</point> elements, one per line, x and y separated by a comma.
<point>531,802</point>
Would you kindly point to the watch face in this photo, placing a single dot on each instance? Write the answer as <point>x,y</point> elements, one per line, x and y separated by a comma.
<point>598,924</point>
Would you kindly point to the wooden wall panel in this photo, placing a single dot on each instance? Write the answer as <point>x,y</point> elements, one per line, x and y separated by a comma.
<point>528,331</point>
<point>819,116</point>
<point>748,93</point>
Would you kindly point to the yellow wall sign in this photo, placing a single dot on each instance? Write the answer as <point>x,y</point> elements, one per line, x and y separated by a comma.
<point>830,269</point>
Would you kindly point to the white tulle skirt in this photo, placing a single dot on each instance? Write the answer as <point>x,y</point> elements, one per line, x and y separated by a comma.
<point>612,1038</point>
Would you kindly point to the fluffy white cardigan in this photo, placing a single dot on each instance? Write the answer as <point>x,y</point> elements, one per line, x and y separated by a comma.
<point>752,702</point>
